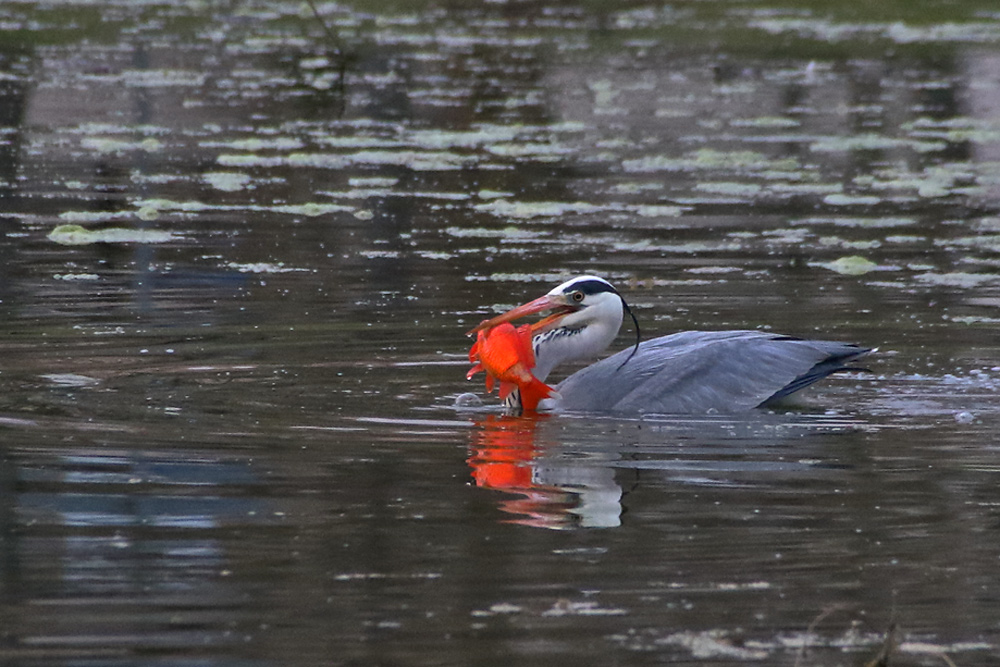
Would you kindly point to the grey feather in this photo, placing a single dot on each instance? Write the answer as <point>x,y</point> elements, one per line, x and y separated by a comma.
<point>700,371</point>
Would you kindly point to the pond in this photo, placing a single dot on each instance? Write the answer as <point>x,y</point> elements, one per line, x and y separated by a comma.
<point>243,243</point>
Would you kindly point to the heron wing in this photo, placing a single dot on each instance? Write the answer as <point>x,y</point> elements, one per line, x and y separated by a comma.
<point>700,371</point>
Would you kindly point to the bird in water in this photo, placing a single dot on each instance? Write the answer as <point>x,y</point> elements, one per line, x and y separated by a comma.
<point>690,372</point>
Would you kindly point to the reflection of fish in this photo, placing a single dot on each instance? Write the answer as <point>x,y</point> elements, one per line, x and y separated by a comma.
<point>545,492</point>
<point>505,354</point>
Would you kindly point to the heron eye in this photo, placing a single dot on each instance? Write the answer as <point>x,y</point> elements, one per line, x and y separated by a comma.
<point>577,296</point>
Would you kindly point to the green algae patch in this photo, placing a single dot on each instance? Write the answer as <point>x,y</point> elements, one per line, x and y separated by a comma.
<point>658,210</point>
<point>255,145</point>
<point>540,151</point>
<point>160,78</point>
<point>415,160</point>
<point>263,267</point>
<point>731,189</point>
<point>870,223</point>
<point>854,265</point>
<point>838,242</point>
<point>227,181</point>
<point>77,235</point>
<point>873,142</point>
<point>375,182</point>
<point>109,145</point>
<point>509,232</point>
<point>537,209</point>
<point>805,188</point>
<point>958,279</point>
<point>506,208</point>
<point>310,210</point>
<point>708,159</point>
<point>74,277</point>
<point>990,242</point>
<point>840,199</point>
<point>150,205</point>
<point>493,194</point>
<point>765,121</point>
<point>71,217</point>
<point>973,319</point>
<point>147,213</point>
<point>899,32</point>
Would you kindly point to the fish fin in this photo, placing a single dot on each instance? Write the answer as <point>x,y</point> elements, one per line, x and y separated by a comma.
<point>474,350</point>
<point>505,389</point>
<point>527,350</point>
<point>489,383</point>
<point>533,392</point>
<point>475,369</point>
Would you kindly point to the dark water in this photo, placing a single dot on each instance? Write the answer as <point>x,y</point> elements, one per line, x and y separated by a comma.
<point>227,422</point>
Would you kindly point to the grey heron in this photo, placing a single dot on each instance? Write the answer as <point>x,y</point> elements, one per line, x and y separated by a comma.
<point>689,372</point>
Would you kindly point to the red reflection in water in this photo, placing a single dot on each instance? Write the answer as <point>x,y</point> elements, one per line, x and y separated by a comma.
<point>505,457</point>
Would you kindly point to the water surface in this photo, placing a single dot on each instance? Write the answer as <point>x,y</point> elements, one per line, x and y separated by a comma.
<point>241,250</point>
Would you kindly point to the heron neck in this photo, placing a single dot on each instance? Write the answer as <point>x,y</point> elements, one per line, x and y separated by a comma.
<point>566,344</point>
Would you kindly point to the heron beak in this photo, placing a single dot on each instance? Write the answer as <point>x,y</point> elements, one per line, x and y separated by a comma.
<point>555,303</point>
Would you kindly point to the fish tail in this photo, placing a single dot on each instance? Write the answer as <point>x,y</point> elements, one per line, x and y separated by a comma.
<point>533,392</point>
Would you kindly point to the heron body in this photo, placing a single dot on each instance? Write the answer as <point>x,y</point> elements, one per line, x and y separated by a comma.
<point>704,371</point>
<point>689,372</point>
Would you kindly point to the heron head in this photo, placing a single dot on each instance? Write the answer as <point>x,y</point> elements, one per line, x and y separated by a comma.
<point>579,303</point>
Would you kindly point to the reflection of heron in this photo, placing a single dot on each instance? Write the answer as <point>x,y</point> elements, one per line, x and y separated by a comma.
<point>506,458</point>
<point>687,372</point>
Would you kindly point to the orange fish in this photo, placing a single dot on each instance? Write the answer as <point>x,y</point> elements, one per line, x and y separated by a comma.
<point>505,354</point>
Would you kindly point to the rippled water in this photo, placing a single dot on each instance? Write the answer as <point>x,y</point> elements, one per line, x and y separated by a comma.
<point>241,249</point>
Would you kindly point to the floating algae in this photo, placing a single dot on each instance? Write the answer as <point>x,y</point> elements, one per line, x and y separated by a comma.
<point>493,194</point>
<point>805,188</point>
<point>958,279</point>
<point>873,142</point>
<point>536,209</point>
<point>509,232</point>
<point>310,210</point>
<point>151,207</point>
<point>657,210</point>
<point>990,242</point>
<point>727,188</point>
<point>227,181</point>
<point>415,160</point>
<point>898,32</point>
<point>710,159</point>
<point>263,267</point>
<point>172,205</point>
<point>844,243</point>
<point>854,265</point>
<point>93,216</point>
<point>157,78</point>
<point>840,199</point>
<point>874,223</point>
<point>540,209</point>
<point>109,145</point>
<point>73,277</point>
<point>765,121</point>
<point>77,235</point>
<point>254,145</point>
<point>539,151</point>
<point>372,182</point>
